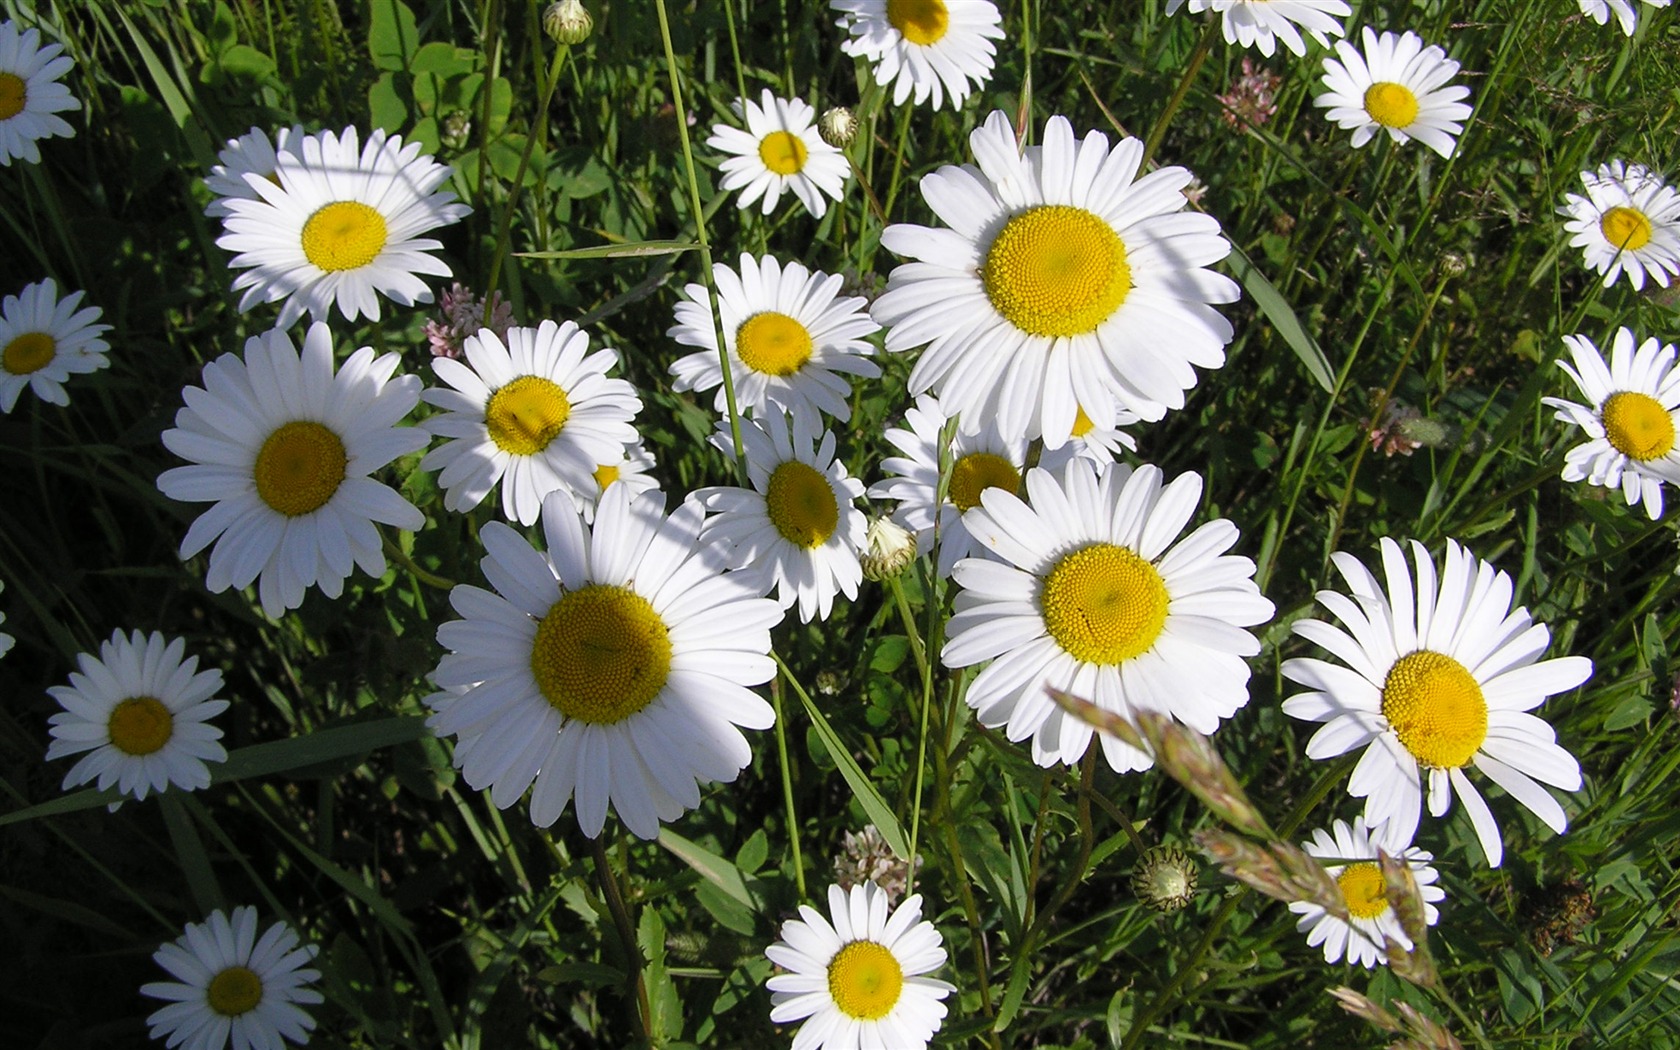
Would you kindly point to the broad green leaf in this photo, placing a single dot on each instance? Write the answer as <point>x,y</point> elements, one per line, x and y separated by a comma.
<point>1278,311</point>
<point>713,868</point>
<point>868,797</point>
<point>392,35</point>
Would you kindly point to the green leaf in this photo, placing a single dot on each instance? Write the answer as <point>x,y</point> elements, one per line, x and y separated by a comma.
<point>868,797</point>
<point>190,853</point>
<point>392,35</point>
<point>617,251</point>
<point>1277,310</point>
<point>713,868</point>
<point>68,911</point>
<point>246,62</point>
<point>386,105</point>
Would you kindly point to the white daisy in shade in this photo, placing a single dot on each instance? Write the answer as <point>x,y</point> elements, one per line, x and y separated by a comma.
<point>1064,282</point>
<point>252,153</point>
<point>1441,674</point>
<point>30,95</point>
<point>630,469</point>
<point>857,978</point>
<point>283,447</point>
<point>231,984</point>
<point>44,340</point>
<point>143,712</point>
<point>923,48</point>
<point>780,150</point>
<point>534,414</point>
<point>1099,444</point>
<point>1397,86</point>
<point>1600,10</point>
<point>340,222</point>
<point>615,669</point>
<point>792,342</point>
<point>1262,23</point>
<point>798,529</point>
<point>1350,855</point>
<point>1096,598</point>
<point>1628,221</point>
<point>1632,410</point>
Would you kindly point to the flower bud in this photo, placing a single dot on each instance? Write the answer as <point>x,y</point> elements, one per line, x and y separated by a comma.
<point>567,22</point>
<point>838,127</point>
<point>887,549</point>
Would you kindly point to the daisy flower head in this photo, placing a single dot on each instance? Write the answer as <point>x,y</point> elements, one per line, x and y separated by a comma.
<point>923,48</point>
<point>1441,673</point>
<point>340,222</point>
<point>629,468</point>
<point>283,446</point>
<point>614,669</point>
<point>30,95</point>
<point>1397,85</point>
<point>143,714</point>
<point>1599,11</point>
<point>44,340</point>
<point>780,150</point>
<point>1365,940</point>
<point>536,414</point>
<point>1629,220</point>
<point>791,340</point>
<point>1099,444</point>
<point>1095,597</point>
<point>1262,23</point>
<point>857,977</point>
<point>231,984</point>
<point>1064,282</point>
<point>254,154</point>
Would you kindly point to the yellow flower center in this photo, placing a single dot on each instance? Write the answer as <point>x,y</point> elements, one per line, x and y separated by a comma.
<point>1055,270</point>
<point>526,414</point>
<point>601,654</point>
<point>978,471</point>
<point>299,468</point>
<point>1104,604</point>
<point>1626,228</point>
<point>140,725</point>
<point>14,94</point>
<point>782,152</point>
<point>234,991</point>
<point>1391,105</point>
<point>1082,424</point>
<point>920,21</point>
<point>1638,426</point>
<point>1363,889</point>
<point>344,235</point>
<point>865,980</point>
<point>1436,708</point>
<point>772,343</point>
<point>29,352</point>
<point>801,504</point>
<point>605,475</point>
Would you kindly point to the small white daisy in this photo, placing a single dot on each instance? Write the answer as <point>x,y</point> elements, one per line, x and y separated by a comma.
<point>339,223</point>
<point>144,714</point>
<point>780,150</point>
<point>231,984</point>
<point>1439,676</point>
<point>629,469</point>
<point>1365,940</point>
<point>44,340</point>
<point>858,982</point>
<point>1094,597</point>
<point>791,341</point>
<point>535,415</point>
<point>30,94</point>
<point>252,153</point>
<point>283,446</point>
<point>1628,221</point>
<point>1099,444</point>
<point>1599,11</point>
<point>923,48</point>
<point>1261,23</point>
<point>1396,86</point>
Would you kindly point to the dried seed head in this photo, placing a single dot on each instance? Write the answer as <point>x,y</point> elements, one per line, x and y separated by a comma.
<point>1165,879</point>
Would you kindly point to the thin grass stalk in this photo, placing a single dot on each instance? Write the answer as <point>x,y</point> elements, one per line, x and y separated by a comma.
<point>787,785</point>
<point>1194,66</point>
<point>539,129</point>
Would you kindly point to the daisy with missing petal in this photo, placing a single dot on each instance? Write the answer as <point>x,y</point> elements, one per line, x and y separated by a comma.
<point>1599,11</point>
<point>630,469</point>
<point>1094,597</point>
<point>144,714</point>
<point>231,984</point>
<point>780,150</point>
<point>252,153</point>
<point>1628,221</point>
<point>856,977</point>
<point>44,340</point>
<point>1365,940</point>
<point>1632,410</point>
<point>1261,23</point>
<point>1395,86</point>
<point>30,95</point>
<point>1065,282</point>
<point>1441,674</point>
<point>923,48</point>
<point>283,447</point>
<point>615,669</point>
<point>791,341</point>
<point>534,414</point>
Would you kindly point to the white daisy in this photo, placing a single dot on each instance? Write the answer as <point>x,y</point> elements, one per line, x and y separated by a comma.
<point>1365,940</point>
<point>798,529</point>
<point>923,47</point>
<point>1632,410</point>
<point>615,668</point>
<point>1628,221</point>
<point>30,94</point>
<point>283,446</point>
<point>340,222</point>
<point>791,340</point>
<point>252,153</point>
<point>231,984</point>
<point>144,714</point>
<point>1395,86</point>
<point>1261,23</point>
<point>534,414</point>
<point>1599,11</point>
<point>1099,444</point>
<point>1065,282</point>
<point>859,980</point>
<point>44,340</point>
<point>780,150</point>
<point>1439,676</point>
<point>630,469</point>
<point>1095,598</point>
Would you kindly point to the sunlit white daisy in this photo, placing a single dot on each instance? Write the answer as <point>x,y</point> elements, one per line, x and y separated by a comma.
<point>791,340</point>
<point>1599,11</point>
<point>1064,282</point>
<point>1092,441</point>
<point>1628,221</point>
<point>340,222</point>
<point>143,712</point>
<point>1262,23</point>
<point>1441,674</point>
<point>923,48</point>
<point>1396,86</point>
<point>629,468</point>
<point>252,153</point>
<point>283,446</point>
<point>1365,940</point>
<point>534,414</point>
<point>780,150</point>
<point>1096,598</point>
<point>231,984</point>
<point>30,95</point>
<point>856,978</point>
<point>614,669</point>
<point>44,340</point>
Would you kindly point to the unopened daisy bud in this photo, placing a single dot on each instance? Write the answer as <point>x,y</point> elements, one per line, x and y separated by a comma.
<point>838,126</point>
<point>889,547</point>
<point>1453,264</point>
<point>567,22</point>
<point>1165,879</point>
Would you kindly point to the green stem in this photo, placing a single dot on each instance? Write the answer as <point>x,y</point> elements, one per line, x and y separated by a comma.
<point>1197,57</point>
<point>400,556</point>
<point>909,619</point>
<point>538,130</point>
<point>635,984</point>
<point>787,786</point>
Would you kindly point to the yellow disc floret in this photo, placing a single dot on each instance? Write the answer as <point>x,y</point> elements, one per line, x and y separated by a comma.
<point>1104,604</point>
<point>14,95</point>
<point>865,980</point>
<point>1391,105</point>
<point>1055,270</point>
<point>782,152</point>
<point>140,725</point>
<point>299,468</point>
<point>1638,426</point>
<point>526,414</point>
<point>772,343</point>
<point>344,235</point>
<point>921,22</point>
<point>978,471</point>
<point>1363,889</point>
<point>1436,708</point>
<point>1625,228</point>
<point>236,990</point>
<point>801,504</point>
<point>29,352</point>
<point>601,654</point>
<point>605,475</point>
<point>1082,424</point>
